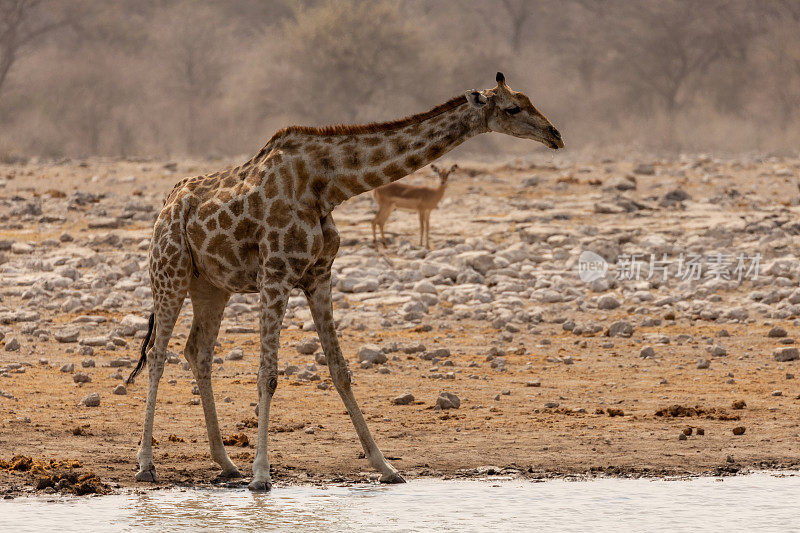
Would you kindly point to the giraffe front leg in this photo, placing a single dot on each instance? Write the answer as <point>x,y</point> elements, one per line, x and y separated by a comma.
<point>273,305</point>
<point>319,300</point>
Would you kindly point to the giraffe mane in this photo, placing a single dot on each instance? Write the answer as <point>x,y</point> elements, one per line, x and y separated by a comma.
<point>372,127</point>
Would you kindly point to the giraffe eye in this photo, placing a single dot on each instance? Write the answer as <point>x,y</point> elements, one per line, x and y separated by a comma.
<point>513,110</point>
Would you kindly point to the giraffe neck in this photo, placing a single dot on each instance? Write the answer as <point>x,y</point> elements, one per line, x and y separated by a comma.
<point>344,161</point>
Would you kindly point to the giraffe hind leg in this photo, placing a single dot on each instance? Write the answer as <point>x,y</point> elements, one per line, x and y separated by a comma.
<point>208,305</point>
<point>167,308</point>
<point>170,270</point>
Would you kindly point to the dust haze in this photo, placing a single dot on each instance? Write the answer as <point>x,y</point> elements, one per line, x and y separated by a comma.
<point>170,78</point>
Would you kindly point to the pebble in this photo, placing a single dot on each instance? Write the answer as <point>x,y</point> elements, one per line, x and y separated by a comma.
<point>717,351</point>
<point>703,363</point>
<point>307,346</point>
<point>448,400</point>
<point>607,302</point>
<point>81,377</point>
<point>647,352</point>
<point>786,354</point>
<point>235,355</point>
<point>776,332</point>
<point>93,400</point>
<point>12,344</point>
<point>68,368</point>
<point>66,335</point>
<point>620,328</point>
<point>739,430</point>
<point>372,353</point>
<point>120,390</point>
<point>403,399</point>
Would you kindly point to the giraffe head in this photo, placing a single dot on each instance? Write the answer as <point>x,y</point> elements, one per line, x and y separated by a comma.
<point>511,112</point>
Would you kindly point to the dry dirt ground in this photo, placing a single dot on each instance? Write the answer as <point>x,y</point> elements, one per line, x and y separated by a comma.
<point>544,389</point>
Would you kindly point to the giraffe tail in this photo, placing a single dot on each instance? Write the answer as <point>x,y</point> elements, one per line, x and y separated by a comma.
<point>145,344</point>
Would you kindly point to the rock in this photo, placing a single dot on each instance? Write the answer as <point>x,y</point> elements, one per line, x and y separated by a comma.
<point>703,363</point>
<point>93,400</point>
<point>307,346</point>
<point>534,383</point>
<point>551,405</point>
<point>372,353</point>
<point>12,344</point>
<point>717,351</point>
<point>647,351</point>
<point>621,184</point>
<point>674,197</point>
<point>448,400</point>
<point>120,390</point>
<point>777,393</point>
<point>356,282</point>
<point>644,169</point>
<point>68,368</point>
<point>607,302</point>
<point>739,404</point>
<point>404,399</point>
<point>321,359</point>
<point>88,363</point>
<point>291,369</point>
<point>235,355</point>
<point>682,436</point>
<point>786,354</point>
<point>776,332</point>
<point>307,375</point>
<point>620,328</point>
<point>478,261</point>
<point>424,286</point>
<point>81,377</point>
<point>131,324</point>
<point>66,335</point>
<point>94,341</point>
<point>739,430</point>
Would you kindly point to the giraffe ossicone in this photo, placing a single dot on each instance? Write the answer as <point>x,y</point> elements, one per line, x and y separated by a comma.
<point>266,227</point>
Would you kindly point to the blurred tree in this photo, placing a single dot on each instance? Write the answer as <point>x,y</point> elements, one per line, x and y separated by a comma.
<point>22,24</point>
<point>353,60</point>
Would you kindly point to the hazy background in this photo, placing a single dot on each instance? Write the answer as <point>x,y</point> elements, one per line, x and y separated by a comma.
<point>202,78</point>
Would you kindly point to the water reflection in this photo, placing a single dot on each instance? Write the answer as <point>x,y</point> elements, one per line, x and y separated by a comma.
<point>746,503</point>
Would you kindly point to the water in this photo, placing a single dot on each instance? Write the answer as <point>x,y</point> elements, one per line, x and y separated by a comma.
<point>757,502</point>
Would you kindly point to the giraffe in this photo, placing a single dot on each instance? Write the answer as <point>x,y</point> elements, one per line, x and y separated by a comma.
<point>266,227</point>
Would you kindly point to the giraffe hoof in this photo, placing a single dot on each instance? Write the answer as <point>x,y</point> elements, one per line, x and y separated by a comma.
<point>230,474</point>
<point>148,475</point>
<point>260,486</point>
<point>392,478</point>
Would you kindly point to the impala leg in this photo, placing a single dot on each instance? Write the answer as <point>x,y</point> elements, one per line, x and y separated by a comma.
<point>428,229</point>
<point>382,216</point>
<point>421,214</point>
<point>319,300</point>
<point>274,295</point>
<point>208,305</point>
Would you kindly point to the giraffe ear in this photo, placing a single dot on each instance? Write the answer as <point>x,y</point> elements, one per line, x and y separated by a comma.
<point>476,99</point>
